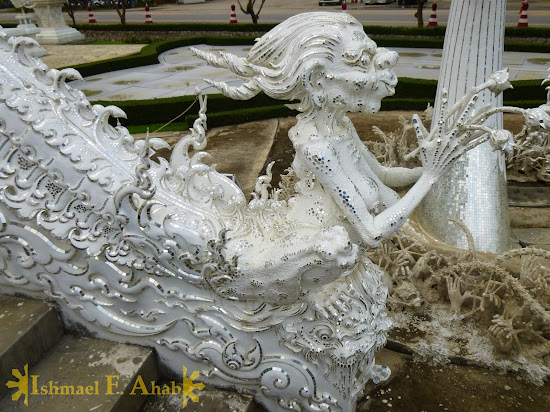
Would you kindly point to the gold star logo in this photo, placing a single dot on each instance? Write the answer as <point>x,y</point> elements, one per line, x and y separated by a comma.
<point>189,386</point>
<point>22,384</point>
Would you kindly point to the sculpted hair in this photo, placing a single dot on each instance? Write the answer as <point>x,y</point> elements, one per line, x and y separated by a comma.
<point>280,59</point>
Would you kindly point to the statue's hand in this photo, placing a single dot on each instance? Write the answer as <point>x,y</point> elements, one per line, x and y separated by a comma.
<point>448,139</point>
<point>439,154</point>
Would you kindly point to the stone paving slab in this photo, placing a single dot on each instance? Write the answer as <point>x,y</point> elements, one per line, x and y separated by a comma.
<point>73,54</point>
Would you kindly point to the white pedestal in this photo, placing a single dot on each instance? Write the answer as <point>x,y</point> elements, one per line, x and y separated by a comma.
<point>53,29</point>
<point>58,35</point>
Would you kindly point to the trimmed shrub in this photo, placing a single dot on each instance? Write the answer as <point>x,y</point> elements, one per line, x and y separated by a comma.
<point>163,110</point>
<point>193,27</point>
<point>439,31</point>
<point>149,54</point>
<point>244,116</point>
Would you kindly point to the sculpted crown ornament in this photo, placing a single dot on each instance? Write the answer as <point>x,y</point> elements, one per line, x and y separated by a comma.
<point>275,297</point>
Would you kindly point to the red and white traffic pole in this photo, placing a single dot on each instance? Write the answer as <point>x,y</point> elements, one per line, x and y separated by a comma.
<point>523,20</point>
<point>148,18</point>
<point>433,17</point>
<point>91,18</point>
<point>233,19</point>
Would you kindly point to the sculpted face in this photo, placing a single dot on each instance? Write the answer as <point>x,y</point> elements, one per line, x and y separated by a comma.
<point>360,78</point>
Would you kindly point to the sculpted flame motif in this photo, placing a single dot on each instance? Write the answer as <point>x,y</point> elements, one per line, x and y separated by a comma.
<point>189,387</point>
<point>273,296</point>
<point>22,385</point>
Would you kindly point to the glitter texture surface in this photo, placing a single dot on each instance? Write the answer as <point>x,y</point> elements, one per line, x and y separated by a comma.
<point>474,190</point>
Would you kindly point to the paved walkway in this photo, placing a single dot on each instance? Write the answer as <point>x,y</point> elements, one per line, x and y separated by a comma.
<point>180,73</point>
<point>61,55</point>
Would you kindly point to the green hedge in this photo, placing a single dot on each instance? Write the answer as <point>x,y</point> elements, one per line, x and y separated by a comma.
<point>527,47</point>
<point>195,27</point>
<point>437,43</point>
<point>165,109</point>
<point>538,32</point>
<point>524,90</point>
<point>149,54</point>
<point>245,115</point>
<point>219,119</point>
<point>411,94</point>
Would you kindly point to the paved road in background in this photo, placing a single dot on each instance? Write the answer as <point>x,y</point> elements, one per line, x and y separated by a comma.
<point>278,10</point>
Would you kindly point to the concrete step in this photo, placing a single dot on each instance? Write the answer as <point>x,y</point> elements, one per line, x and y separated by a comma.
<point>529,196</point>
<point>538,237</point>
<point>209,399</point>
<point>526,217</point>
<point>90,375</point>
<point>28,329</point>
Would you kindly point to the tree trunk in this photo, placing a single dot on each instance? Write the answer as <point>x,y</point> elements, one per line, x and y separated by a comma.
<point>474,190</point>
<point>121,10</point>
<point>69,8</point>
<point>419,10</point>
<point>250,10</point>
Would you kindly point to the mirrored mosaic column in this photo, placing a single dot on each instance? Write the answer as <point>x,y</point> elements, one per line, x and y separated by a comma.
<point>474,191</point>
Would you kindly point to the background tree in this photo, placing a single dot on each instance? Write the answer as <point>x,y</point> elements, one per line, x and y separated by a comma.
<point>121,6</point>
<point>69,7</point>
<point>418,14</point>
<point>250,9</point>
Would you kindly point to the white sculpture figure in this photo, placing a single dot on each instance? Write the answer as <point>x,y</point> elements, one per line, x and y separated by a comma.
<point>273,297</point>
<point>327,63</point>
<point>53,29</point>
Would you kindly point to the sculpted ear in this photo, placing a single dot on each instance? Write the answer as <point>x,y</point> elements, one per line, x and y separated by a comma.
<point>313,83</point>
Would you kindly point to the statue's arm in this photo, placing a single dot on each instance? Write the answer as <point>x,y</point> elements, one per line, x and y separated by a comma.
<point>393,177</point>
<point>396,177</point>
<point>344,183</point>
<point>353,202</point>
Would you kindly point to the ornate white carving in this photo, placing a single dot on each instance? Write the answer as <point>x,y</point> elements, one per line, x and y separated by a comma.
<point>274,296</point>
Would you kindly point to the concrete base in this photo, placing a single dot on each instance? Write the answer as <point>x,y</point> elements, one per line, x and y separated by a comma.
<point>58,35</point>
<point>29,30</point>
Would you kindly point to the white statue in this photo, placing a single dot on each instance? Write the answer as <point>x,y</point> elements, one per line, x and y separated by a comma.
<point>273,296</point>
<point>326,61</point>
<point>53,29</point>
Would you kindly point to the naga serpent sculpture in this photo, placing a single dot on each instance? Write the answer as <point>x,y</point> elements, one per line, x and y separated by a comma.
<point>273,297</point>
